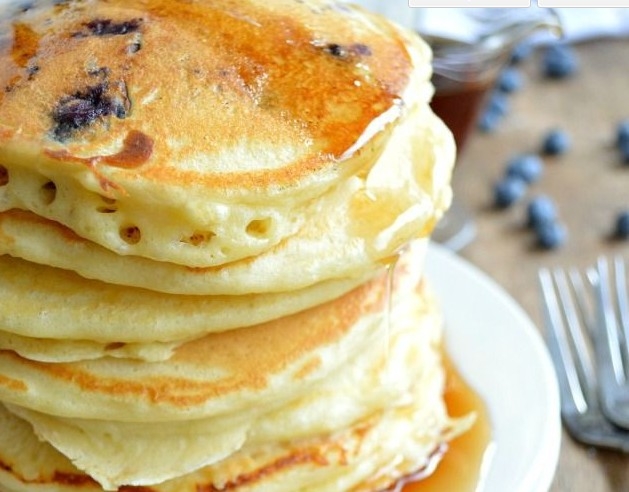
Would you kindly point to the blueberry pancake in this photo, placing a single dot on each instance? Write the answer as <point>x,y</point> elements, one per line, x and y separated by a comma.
<point>197,133</point>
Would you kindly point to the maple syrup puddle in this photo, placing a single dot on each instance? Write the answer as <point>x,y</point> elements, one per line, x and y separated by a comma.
<point>462,462</point>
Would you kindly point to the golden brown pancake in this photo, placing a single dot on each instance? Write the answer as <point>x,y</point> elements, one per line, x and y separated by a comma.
<point>42,303</point>
<point>195,132</point>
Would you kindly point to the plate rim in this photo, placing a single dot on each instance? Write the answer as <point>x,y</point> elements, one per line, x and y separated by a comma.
<point>537,474</point>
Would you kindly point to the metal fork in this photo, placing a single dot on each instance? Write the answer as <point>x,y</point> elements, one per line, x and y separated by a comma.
<point>566,315</point>
<point>611,340</point>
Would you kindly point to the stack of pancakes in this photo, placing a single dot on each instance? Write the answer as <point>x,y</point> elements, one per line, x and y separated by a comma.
<point>213,217</point>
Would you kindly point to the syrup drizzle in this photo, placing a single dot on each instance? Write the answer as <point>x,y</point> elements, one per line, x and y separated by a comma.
<point>460,467</point>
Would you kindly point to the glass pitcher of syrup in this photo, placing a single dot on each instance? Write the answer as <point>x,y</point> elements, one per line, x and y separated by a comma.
<point>470,48</point>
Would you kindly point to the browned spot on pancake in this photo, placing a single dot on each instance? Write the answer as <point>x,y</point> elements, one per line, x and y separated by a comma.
<point>73,479</point>
<point>4,176</point>
<point>12,384</point>
<point>76,480</point>
<point>136,150</point>
<point>107,185</point>
<point>317,452</point>
<point>309,367</point>
<point>5,466</point>
<point>25,44</point>
<point>115,345</point>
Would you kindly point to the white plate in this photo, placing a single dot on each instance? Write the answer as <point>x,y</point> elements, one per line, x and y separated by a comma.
<point>501,354</point>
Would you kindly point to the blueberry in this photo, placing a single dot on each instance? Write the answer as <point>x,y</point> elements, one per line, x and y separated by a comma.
<point>556,142</point>
<point>624,152</point>
<point>496,107</point>
<point>559,61</point>
<point>622,132</point>
<point>528,167</point>
<point>509,190</point>
<point>510,80</point>
<point>498,102</point>
<point>521,52</point>
<point>488,121</point>
<point>621,230</point>
<point>551,235</point>
<point>541,209</point>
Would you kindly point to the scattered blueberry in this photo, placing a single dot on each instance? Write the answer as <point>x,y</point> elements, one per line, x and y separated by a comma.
<point>622,133</point>
<point>556,142</point>
<point>559,61</point>
<point>528,167</point>
<point>622,225</point>
<point>510,80</point>
<point>521,52</point>
<point>498,102</point>
<point>540,210</point>
<point>496,107</point>
<point>488,121</point>
<point>551,235</point>
<point>509,190</point>
<point>624,152</point>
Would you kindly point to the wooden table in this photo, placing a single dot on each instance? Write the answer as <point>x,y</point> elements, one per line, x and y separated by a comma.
<point>589,184</point>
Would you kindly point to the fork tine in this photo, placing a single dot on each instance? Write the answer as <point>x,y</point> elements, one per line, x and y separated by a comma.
<point>573,400</point>
<point>573,313</point>
<point>606,339</point>
<point>583,298</point>
<point>623,307</point>
<point>614,397</point>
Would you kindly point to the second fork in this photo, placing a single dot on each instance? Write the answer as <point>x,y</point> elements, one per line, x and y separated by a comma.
<point>567,323</point>
<point>611,338</point>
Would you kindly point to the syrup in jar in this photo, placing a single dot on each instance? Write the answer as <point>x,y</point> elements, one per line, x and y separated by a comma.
<point>459,104</point>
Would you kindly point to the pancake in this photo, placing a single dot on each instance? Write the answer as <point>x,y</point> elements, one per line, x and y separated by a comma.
<point>279,105</point>
<point>351,231</point>
<point>52,350</point>
<point>219,372</point>
<point>388,381</point>
<point>43,303</point>
<point>327,464</point>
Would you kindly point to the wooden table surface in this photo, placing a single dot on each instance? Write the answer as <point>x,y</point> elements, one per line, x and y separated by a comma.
<point>589,184</point>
